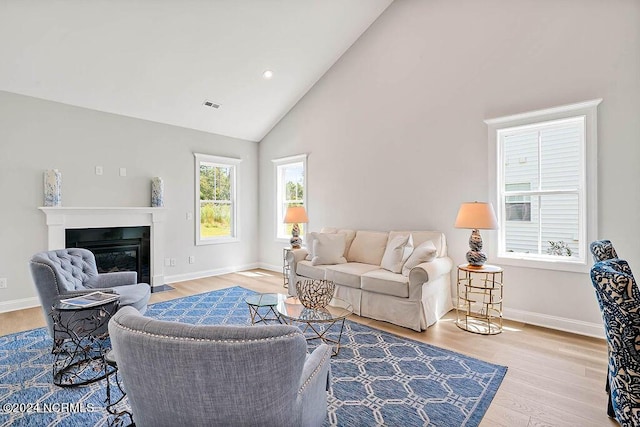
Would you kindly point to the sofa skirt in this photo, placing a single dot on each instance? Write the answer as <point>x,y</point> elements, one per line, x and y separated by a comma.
<point>412,314</point>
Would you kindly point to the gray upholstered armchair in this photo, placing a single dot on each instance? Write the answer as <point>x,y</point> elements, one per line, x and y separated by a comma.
<point>206,375</point>
<point>70,272</point>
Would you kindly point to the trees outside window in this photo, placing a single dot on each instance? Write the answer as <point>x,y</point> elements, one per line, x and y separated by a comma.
<point>216,208</point>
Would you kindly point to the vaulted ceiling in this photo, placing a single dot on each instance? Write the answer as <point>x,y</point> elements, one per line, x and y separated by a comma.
<point>159,60</point>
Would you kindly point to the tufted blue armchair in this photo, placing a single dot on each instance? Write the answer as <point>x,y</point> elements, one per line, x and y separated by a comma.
<point>211,375</point>
<point>619,300</point>
<point>71,272</point>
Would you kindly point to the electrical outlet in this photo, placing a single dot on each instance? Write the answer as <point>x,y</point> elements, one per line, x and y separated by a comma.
<point>173,262</point>
<point>123,171</point>
<point>192,259</point>
<point>189,216</point>
<point>3,283</point>
<point>167,262</point>
<point>99,170</point>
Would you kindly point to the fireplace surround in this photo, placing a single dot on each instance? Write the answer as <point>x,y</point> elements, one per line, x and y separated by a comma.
<point>61,219</point>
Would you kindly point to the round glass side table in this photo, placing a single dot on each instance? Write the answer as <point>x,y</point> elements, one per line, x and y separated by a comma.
<point>261,306</point>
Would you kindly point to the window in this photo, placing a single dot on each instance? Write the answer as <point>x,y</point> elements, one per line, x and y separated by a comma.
<point>291,190</point>
<point>216,207</point>
<point>544,177</point>
<point>517,208</point>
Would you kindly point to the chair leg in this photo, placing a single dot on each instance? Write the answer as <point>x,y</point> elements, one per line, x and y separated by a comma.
<point>610,412</point>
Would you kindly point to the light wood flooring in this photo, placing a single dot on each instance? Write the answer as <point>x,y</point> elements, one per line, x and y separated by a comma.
<point>554,378</point>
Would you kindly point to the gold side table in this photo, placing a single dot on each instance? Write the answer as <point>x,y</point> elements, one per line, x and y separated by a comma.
<point>286,268</point>
<point>480,292</point>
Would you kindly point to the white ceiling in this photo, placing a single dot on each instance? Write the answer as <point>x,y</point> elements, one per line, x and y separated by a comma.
<point>160,59</point>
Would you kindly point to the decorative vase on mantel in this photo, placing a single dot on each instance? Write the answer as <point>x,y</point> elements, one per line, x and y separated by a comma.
<point>157,192</point>
<point>52,187</point>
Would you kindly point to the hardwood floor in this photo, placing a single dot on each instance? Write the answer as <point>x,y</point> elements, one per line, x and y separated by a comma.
<point>554,378</point>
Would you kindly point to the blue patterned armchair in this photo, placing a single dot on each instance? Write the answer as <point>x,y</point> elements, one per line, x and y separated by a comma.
<point>619,300</point>
<point>603,250</point>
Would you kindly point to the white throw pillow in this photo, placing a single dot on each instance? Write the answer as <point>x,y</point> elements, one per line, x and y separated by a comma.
<point>426,252</point>
<point>368,247</point>
<point>398,251</point>
<point>309,244</point>
<point>328,249</point>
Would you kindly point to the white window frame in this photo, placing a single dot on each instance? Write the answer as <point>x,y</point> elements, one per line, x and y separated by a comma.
<point>588,187</point>
<point>220,161</point>
<point>279,214</point>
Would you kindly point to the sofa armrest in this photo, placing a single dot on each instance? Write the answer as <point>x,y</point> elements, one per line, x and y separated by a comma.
<point>423,273</point>
<point>314,384</point>
<point>108,280</point>
<point>296,255</point>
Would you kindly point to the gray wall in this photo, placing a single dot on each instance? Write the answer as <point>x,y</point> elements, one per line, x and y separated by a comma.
<point>396,138</point>
<point>36,135</point>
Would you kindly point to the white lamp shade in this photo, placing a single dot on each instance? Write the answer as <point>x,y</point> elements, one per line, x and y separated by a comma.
<point>295,215</point>
<point>476,215</point>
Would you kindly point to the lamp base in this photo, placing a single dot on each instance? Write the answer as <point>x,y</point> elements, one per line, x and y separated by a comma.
<point>476,258</point>
<point>295,242</point>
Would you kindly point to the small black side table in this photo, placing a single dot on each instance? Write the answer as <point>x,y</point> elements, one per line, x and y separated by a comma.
<point>121,414</point>
<point>81,342</point>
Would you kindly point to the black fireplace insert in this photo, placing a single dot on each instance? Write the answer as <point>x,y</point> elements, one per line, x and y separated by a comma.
<point>116,248</point>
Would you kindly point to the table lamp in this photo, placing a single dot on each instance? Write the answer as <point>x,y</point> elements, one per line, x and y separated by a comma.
<point>476,216</point>
<point>295,215</point>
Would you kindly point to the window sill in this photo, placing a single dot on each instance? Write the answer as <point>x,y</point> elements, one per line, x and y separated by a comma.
<point>219,241</point>
<point>568,266</point>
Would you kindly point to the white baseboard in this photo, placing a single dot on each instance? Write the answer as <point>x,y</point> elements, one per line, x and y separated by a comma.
<point>553,322</point>
<point>208,273</point>
<point>19,304</point>
<point>270,267</point>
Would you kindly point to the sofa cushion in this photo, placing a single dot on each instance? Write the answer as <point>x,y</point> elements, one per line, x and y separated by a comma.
<point>304,268</point>
<point>436,237</point>
<point>329,249</point>
<point>350,235</point>
<point>385,282</point>
<point>398,250</point>
<point>368,247</point>
<point>310,238</point>
<point>348,274</point>
<point>423,253</point>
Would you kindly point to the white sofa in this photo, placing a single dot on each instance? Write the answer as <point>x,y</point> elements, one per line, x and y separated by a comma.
<point>414,300</point>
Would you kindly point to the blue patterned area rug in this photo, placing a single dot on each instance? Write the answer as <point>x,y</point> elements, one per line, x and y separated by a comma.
<point>378,378</point>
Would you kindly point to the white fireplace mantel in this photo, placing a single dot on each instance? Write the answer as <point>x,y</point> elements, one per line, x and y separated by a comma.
<point>61,218</point>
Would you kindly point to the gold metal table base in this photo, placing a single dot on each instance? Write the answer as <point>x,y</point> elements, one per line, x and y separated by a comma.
<point>480,293</point>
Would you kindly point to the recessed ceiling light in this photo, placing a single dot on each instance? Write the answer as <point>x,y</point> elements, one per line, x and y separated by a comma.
<point>267,74</point>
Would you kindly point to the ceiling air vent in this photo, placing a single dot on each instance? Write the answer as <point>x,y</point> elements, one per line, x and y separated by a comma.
<point>210,104</point>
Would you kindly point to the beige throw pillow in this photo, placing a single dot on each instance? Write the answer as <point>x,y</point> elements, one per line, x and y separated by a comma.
<point>368,247</point>
<point>397,252</point>
<point>328,249</point>
<point>425,252</point>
